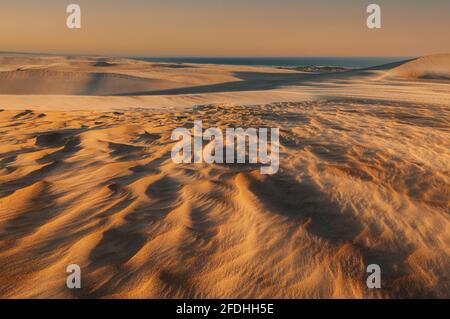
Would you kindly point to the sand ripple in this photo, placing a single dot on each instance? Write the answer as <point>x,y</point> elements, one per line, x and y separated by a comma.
<point>360,182</point>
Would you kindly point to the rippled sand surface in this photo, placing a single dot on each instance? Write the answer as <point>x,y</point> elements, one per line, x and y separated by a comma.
<point>361,182</point>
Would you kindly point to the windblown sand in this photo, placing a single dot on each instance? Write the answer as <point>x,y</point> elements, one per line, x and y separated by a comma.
<point>361,181</point>
<point>100,190</point>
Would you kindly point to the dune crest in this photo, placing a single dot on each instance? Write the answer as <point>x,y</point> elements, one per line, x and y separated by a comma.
<point>433,67</point>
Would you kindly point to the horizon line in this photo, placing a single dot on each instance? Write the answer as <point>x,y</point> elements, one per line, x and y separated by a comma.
<point>135,56</point>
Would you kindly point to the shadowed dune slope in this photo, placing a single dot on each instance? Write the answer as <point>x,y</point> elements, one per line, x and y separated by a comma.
<point>47,82</point>
<point>107,76</point>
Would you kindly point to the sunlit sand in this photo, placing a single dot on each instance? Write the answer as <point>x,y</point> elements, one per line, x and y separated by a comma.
<point>86,177</point>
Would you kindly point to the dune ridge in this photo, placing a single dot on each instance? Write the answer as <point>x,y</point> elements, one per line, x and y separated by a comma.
<point>434,67</point>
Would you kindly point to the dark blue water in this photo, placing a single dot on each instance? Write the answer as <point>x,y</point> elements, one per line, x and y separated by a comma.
<point>348,62</point>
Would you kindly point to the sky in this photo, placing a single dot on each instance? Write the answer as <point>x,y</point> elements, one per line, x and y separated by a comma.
<point>226,27</point>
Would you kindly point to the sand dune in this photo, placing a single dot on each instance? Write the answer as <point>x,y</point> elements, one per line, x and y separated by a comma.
<point>364,178</point>
<point>100,190</point>
<point>55,83</point>
<point>435,67</point>
<point>106,76</point>
<point>44,82</point>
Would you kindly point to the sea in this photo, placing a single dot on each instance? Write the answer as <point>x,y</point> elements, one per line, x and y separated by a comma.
<point>346,62</point>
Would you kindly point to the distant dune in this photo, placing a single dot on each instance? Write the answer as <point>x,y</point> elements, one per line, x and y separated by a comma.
<point>103,76</point>
<point>48,82</point>
<point>42,81</point>
<point>434,67</point>
<point>69,76</point>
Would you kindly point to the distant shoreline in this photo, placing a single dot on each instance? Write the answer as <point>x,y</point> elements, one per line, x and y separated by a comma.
<point>282,62</point>
<point>347,62</point>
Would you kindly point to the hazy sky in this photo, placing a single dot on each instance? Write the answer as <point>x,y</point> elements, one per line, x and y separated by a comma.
<point>226,27</point>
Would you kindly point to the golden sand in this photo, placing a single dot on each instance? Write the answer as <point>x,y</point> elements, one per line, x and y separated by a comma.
<point>364,179</point>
